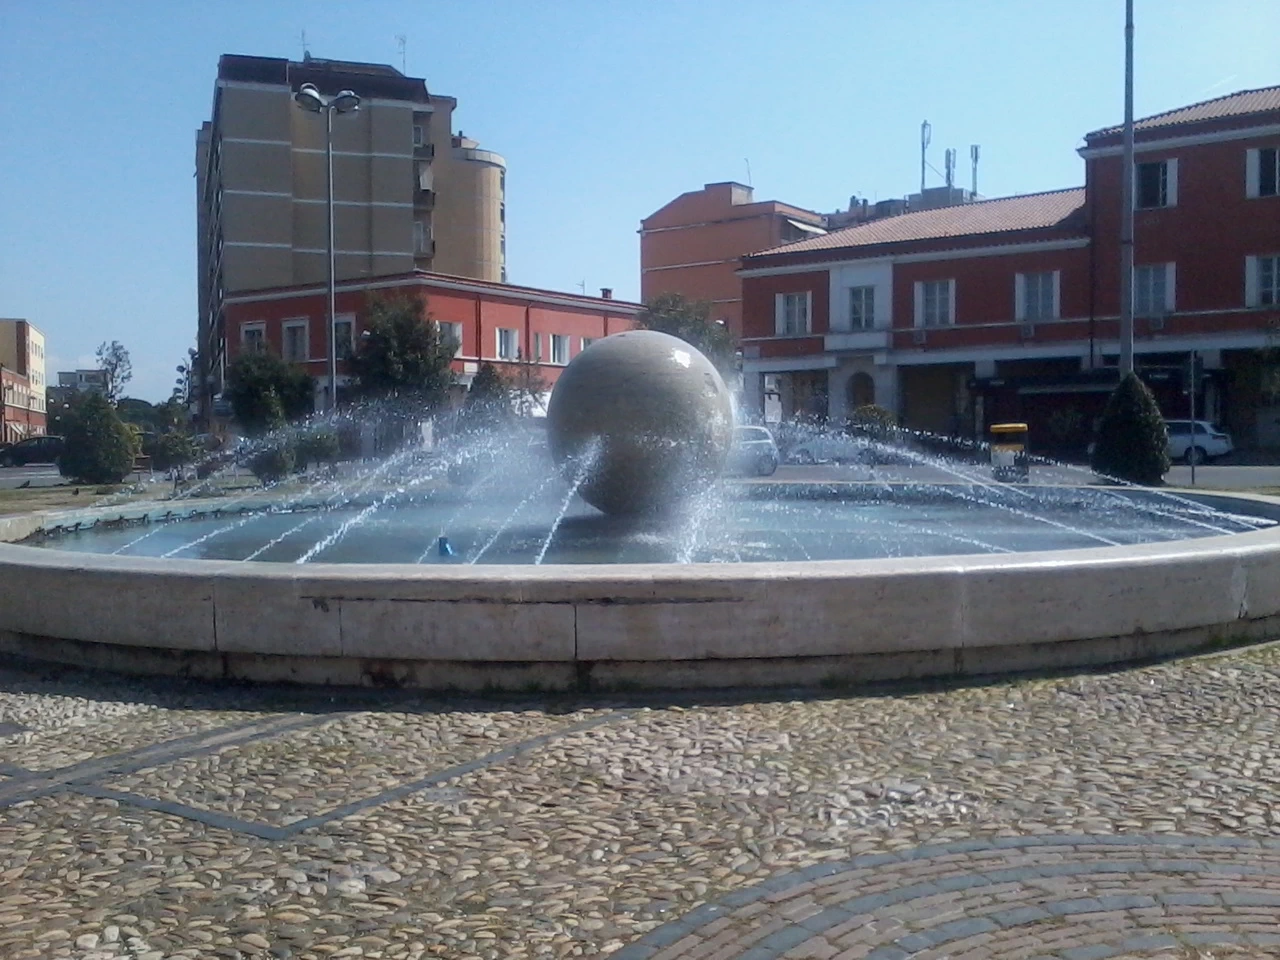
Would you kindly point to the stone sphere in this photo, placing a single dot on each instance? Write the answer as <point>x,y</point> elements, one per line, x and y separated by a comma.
<point>642,419</point>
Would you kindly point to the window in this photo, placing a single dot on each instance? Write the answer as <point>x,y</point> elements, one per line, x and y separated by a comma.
<point>1037,296</point>
<point>559,348</point>
<point>419,236</point>
<point>791,314</point>
<point>508,344</point>
<point>295,341</point>
<point>537,347</point>
<point>418,138</point>
<point>1262,172</point>
<point>1262,281</point>
<point>935,303</point>
<point>862,308</point>
<point>452,333</point>
<point>586,342</point>
<point>1153,290</point>
<point>344,337</point>
<point>253,337</point>
<point>1156,184</point>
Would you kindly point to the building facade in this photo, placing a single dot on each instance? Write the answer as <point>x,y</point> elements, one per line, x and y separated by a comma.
<point>22,372</point>
<point>693,245</point>
<point>489,322</point>
<point>409,193</point>
<point>1009,308</point>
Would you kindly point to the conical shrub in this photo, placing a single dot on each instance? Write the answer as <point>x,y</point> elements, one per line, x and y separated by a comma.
<point>1133,440</point>
<point>99,446</point>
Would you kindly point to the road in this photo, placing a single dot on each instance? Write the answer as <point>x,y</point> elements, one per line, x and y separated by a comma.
<point>1210,477</point>
<point>36,475</point>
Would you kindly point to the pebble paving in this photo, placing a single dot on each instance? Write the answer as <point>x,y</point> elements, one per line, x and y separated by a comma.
<point>1129,814</point>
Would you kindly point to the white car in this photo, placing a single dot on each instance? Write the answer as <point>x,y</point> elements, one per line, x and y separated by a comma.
<point>1206,442</point>
<point>832,448</point>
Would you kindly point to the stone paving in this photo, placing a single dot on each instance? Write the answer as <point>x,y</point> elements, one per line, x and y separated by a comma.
<point>1123,814</point>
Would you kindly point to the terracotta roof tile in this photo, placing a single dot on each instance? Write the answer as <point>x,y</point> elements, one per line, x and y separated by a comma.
<point>1237,104</point>
<point>1003,215</point>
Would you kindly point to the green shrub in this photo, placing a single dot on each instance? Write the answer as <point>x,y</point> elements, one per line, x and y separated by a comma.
<point>1132,439</point>
<point>274,462</point>
<point>317,445</point>
<point>100,447</point>
<point>173,449</point>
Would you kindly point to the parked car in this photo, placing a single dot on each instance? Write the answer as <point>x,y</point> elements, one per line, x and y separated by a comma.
<point>32,450</point>
<point>1206,442</point>
<point>753,452</point>
<point>832,448</point>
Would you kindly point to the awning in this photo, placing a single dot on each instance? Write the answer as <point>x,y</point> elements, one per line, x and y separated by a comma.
<point>806,227</point>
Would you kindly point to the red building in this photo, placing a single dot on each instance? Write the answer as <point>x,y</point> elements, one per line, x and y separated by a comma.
<point>1009,308</point>
<point>495,322</point>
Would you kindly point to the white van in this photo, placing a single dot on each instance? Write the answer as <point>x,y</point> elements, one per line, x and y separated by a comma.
<point>1206,442</point>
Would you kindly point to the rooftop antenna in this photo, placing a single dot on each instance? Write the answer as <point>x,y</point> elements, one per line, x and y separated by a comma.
<point>305,51</point>
<point>973,163</point>
<point>926,135</point>
<point>949,165</point>
<point>747,161</point>
<point>582,285</point>
<point>401,42</point>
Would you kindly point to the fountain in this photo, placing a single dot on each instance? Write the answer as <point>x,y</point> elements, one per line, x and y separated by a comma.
<point>611,555</point>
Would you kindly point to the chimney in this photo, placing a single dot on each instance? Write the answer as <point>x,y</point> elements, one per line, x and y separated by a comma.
<point>606,293</point>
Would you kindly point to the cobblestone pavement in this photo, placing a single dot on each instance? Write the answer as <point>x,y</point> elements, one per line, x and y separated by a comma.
<point>1126,814</point>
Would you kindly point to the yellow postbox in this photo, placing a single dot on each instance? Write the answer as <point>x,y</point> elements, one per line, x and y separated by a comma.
<point>1010,462</point>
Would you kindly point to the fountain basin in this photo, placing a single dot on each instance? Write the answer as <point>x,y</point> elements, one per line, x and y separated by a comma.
<point>624,625</point>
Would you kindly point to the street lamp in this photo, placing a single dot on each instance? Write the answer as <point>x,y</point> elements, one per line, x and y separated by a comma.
<point>310,98</point>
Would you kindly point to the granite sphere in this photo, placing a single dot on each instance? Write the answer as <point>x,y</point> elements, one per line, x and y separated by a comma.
<point>641,420</point>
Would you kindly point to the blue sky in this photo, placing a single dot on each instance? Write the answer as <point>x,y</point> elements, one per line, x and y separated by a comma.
<point>604,109</point>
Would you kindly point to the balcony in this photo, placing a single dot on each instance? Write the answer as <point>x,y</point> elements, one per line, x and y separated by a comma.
<point>424,151</point>
<point>857,340</point>
<point>424,199</point>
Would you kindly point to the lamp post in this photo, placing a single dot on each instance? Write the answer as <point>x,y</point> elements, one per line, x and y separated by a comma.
<point>310,98</point>
<point>1126,199</point>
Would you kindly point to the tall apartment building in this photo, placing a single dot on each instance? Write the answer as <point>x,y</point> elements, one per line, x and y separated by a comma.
<point>22,381</point>
<point>409,193</point>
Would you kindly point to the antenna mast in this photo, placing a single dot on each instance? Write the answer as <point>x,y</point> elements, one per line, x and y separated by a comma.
<point>305,51</point>
<point>926,135</point>
<point>973,160</point>
<point>401,42</point>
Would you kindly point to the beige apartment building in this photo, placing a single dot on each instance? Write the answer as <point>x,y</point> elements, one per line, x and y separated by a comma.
<point>22,381</point>
<point>409,193</point>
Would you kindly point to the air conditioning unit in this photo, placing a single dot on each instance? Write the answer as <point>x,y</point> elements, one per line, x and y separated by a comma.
<point>1027,331</point>
<point>1155,324</point>
<point>918,337</point>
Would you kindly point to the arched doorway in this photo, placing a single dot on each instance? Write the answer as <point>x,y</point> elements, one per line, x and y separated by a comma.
<point>860,390</point>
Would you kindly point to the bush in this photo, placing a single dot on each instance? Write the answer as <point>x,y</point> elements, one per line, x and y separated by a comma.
<point>273,463</point>
<point>317,445</point>
<point>173,449</point>
<point>1133,440</point>
<point>100,447</point>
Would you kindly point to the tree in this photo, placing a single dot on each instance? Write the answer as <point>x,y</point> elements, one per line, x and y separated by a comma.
<point>116,367</point>
<point>402,355</point>
<point>1132,439</point>
<point>488,402</point>
<point>274,460</point>
<point>99,446</point>
<point>526,387</point>
<point>690,320</point>
<point>263,388</point>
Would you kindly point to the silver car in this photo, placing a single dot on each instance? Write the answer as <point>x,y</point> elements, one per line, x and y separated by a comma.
<point>753,452</point>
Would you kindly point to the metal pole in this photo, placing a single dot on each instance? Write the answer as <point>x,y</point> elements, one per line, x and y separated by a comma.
<point>1126,217</point>
<point>1194,384</point>
<point>333,321</point>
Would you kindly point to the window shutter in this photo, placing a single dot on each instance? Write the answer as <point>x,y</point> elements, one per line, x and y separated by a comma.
<point>1171,182</point>
<point>1251,278</point>
<point>1020,296</point>
<point>1170,280</point>
<point>919,303</point>
<point>1057,294</point>
<point>807,326</point>
<point>778,313</point>
<point>1252,170</point>
<point>951,301</point>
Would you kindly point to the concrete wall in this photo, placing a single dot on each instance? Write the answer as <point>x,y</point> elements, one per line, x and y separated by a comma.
<point>659,625</point>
